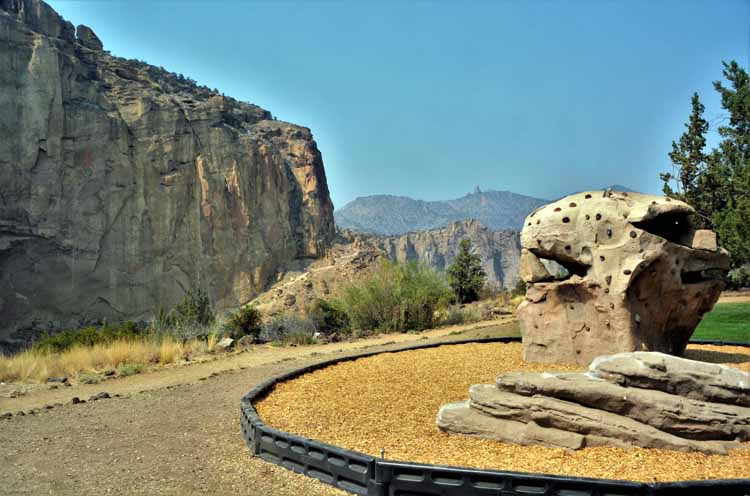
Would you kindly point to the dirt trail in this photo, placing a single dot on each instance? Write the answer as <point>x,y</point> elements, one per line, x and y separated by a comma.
<point>171,432</point>
<point>735,297</point>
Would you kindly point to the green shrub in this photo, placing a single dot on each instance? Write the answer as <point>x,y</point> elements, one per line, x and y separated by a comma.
<point>193,317</point>
<point>519,289</point>
<point>244,322</point>
<point>88,336</point>
<point>289,329</point>
<point>126,369</point>
<point>396,298</point>
<point>194,309</point>
<point>455,315</point>
<point>739,278</point>
<point>329,316</point>
<point>90,378</point>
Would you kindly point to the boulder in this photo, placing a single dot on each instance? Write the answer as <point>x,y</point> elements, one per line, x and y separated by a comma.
<point>639,277</point>
<point>224,344</point>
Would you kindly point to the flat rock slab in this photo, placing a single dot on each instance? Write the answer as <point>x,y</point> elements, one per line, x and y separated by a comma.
<point>684,417</point>
<point>647,400</point>
<point>689,378</point>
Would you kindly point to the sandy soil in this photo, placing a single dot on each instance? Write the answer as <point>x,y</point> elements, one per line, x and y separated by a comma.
<point>174,431</point>
<point>735,297</point>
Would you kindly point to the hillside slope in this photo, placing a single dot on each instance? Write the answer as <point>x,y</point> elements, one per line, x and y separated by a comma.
<point>123,185</point>
<point>354,256</point>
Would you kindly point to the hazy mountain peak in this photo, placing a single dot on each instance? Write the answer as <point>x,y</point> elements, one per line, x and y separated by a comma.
<point>389,214</point>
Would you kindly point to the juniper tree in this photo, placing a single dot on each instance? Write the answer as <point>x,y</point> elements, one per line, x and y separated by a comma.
<point>466,275</point>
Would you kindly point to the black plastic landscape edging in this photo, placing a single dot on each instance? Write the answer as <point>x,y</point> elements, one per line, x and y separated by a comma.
<point>370,476</point>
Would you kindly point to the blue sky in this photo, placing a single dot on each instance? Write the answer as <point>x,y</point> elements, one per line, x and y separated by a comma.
<point>428,99</point>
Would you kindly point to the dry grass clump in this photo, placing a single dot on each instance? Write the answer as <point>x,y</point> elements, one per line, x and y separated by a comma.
<point>391,400</point>
<point>38,366</point>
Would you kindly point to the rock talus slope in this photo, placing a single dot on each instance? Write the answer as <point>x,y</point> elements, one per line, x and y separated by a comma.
<point>123,185</point>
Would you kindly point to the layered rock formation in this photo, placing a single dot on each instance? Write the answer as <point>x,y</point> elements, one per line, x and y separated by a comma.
<point>123,185</point>
<point>499,250</point>
<point>641,399</point>
<point>640,277</point>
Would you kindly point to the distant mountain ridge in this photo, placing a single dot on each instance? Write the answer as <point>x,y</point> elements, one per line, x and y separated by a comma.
<point>393,215</point>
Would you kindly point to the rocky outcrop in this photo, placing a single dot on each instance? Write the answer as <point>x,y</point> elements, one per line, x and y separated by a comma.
<point>123,185</point>
<point>612,405</point>
<point>499,250</point>
<point>639,276</point>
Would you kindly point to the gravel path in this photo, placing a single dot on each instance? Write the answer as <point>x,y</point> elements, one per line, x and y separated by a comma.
<point>171,432</point>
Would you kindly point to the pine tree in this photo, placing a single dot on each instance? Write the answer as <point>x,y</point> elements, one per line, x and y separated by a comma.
<point>731,219</point>
<point>466,275</point>
<point>717,185</point>
<point>690,163</point>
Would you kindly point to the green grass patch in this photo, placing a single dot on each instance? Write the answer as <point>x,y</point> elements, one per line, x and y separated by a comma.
<point>127,369</point>
<point>90,378</point>
<point>726,322</point>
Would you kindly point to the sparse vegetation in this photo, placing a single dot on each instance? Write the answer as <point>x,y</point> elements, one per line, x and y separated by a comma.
<point>329,316</point>
<point>127,369</point>
<point>88,336</point>
<point>244,322</point>
<point>396,298</point>
<point>456,315</point>
<point>519,289</point>
<point>126,346</point>
<point>290,330</point>
<point>88,378</point>
<point>739,278</point>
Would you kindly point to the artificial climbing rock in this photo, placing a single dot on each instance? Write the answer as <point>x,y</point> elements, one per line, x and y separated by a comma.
<point>639,277</point>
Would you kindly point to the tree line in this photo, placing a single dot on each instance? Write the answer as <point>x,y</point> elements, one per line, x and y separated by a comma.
<point>716,182</point>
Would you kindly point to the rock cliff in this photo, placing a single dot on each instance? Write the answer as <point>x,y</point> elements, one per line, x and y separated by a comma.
<point>123,185</point>
<point>500,250</point>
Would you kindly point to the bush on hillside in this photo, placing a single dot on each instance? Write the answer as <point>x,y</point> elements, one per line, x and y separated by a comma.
<point>244,322</point>
<point>289,329</point>
<point>329,316</point>
<point>396,297</point>
<point>194,309</point>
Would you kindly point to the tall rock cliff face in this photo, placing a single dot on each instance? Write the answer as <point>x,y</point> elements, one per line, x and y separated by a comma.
<point>500,250</point>
<point>123,185</point>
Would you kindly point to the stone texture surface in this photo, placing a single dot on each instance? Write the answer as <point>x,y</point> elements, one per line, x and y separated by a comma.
<point>639,277</point>
<point>577,410</point>
<point>123,185</point>
<point>499,250</point>
<point>689,378</point>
